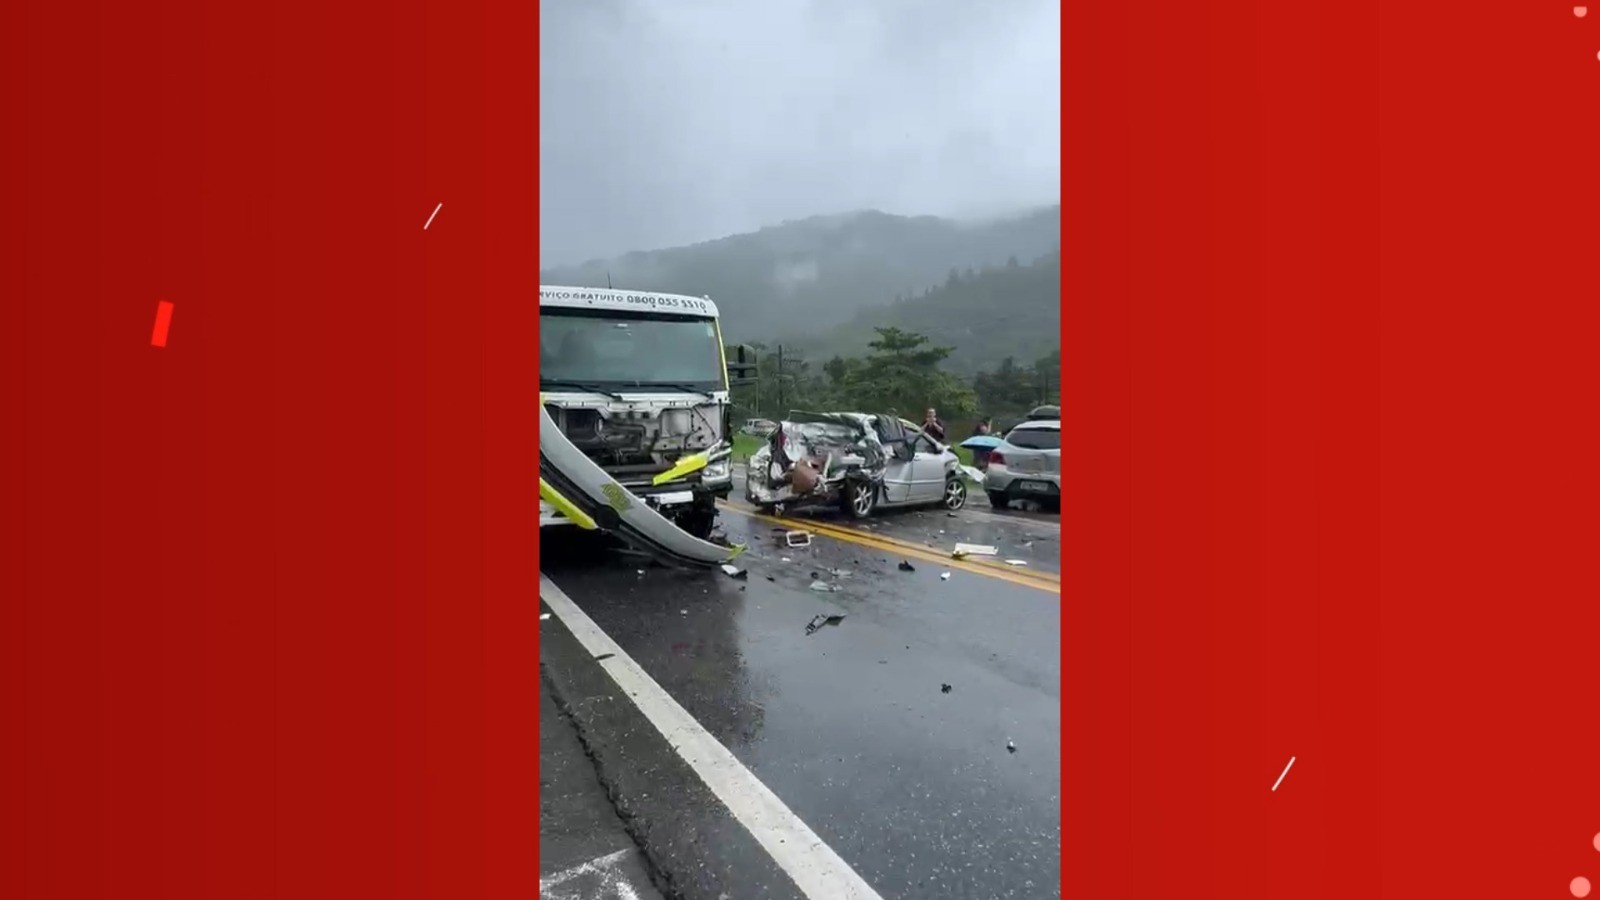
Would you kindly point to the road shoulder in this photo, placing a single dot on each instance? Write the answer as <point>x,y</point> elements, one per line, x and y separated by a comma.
<point>697,850</point>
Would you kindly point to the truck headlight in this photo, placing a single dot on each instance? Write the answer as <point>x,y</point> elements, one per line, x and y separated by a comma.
<point>715,471</point>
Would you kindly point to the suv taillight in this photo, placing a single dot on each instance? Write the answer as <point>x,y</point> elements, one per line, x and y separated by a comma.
<point>995,456</point>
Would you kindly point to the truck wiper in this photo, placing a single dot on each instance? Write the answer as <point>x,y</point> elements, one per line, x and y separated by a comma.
<point>580,385</point>
<point>687,389</point>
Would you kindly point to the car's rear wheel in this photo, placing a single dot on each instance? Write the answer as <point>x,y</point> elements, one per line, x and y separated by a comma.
<point>998,500</point>
<point>860,499</point>
<point>955,493</point>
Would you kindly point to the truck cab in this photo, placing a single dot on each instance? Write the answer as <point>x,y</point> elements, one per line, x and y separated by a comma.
<point>639,382</point>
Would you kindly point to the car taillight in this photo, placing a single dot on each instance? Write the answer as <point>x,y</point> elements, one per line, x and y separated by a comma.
<point>995,456</point>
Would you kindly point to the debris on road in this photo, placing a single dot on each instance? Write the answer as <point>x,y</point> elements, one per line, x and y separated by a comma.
<point>907,567</point>
<point>821,621</point>
<point>822,587</point>
<point>963,550</point>
<point>944,688</point>
<point>944,576</point>
<point>604,656</point>
<point>735,571</point>
<point>1016,562</point>
<point>797,538</point>
<point>543,616</point>
<point>1010,747</point>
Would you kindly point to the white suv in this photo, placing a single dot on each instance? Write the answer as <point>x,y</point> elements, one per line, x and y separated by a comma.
<point>1026,466</point>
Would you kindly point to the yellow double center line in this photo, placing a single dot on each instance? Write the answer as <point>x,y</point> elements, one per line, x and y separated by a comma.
<point>1044,581</point>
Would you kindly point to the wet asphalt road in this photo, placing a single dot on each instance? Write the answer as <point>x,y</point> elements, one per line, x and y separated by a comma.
<point>851,726</point>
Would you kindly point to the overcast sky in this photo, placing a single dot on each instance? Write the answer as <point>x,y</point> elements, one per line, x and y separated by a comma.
<point>666,122</point>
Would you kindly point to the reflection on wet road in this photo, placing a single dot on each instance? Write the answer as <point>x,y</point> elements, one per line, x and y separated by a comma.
<point>887,730</point>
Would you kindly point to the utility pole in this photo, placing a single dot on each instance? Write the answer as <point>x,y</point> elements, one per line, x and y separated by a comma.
<point>781,410</point>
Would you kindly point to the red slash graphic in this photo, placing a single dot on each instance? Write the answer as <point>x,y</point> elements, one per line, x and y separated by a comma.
<point>158,337</point>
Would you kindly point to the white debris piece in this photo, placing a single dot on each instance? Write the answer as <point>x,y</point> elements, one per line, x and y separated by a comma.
<point>976,550</point>
<point>944,576</point>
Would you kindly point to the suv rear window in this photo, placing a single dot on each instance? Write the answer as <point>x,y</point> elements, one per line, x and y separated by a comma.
<point>1035,438</point>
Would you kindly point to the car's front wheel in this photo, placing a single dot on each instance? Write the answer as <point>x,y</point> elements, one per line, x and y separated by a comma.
<point>955,493</point>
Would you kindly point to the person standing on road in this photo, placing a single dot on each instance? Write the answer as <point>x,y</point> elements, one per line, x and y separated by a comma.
<point>980,455</point>
<point>931,426</point>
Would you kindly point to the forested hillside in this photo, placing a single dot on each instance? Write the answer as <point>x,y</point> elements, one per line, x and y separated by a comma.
<point>983,316</point>
<point>807,277</point>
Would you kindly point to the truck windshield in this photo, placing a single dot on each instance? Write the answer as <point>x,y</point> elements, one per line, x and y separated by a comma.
<point>634,350</point>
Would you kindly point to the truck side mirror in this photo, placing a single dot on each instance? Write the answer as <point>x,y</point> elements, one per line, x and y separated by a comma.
<point>741,365</point>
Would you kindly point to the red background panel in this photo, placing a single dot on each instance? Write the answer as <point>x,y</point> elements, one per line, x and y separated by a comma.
<point>1329,334</point>
<point>267,601</point>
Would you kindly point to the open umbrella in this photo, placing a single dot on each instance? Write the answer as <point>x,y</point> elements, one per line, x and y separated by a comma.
<point>981,442</point>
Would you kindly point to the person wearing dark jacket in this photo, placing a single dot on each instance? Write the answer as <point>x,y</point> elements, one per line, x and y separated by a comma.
<point>980,455</point>
<point>931,426</point>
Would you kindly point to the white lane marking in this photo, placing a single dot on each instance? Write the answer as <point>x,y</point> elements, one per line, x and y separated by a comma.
<point>1285,772</point>
<point>818,871</point>
<point>435,213</point>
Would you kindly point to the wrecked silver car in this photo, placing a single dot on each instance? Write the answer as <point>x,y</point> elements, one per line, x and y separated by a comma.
<point>859,461</point>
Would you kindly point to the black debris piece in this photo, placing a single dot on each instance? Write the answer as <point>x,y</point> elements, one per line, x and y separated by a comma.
<point>770,578</point>
<point>907,567</point>
<point>944,688</point>
<point>1010,747</point>
<point>604,656</point>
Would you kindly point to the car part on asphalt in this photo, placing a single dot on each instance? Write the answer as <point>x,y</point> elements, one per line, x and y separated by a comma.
<point>821,621</point>
<point>974,550</point>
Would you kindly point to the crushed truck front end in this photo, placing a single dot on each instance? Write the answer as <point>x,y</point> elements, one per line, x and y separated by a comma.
<point>638,382</point>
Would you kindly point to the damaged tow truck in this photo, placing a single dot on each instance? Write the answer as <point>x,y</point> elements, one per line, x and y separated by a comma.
<point>635,417</point>
<point>859,462</point>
